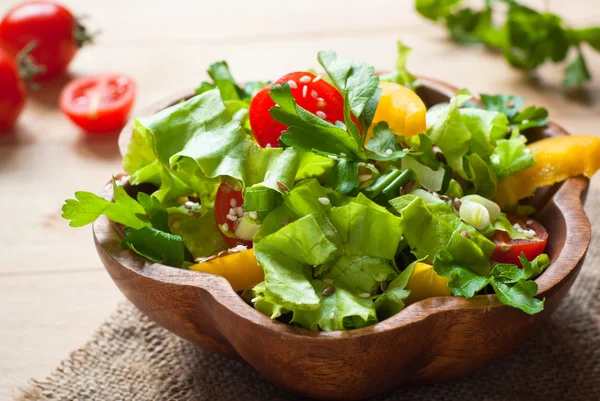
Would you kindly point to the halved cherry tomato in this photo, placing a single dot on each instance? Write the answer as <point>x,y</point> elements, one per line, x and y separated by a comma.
<point>12,91</point>
<point>227,203</point>
<point>55,31</point>
<point>309,91</point>
<point>508,250</point>
<point>98,104</point>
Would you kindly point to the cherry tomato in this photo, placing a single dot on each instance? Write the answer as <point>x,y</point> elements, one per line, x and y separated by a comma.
<point>508,250</point>
<point>309,91</point>
<point>227,203</point>
<point>98,104</point>
<point>12,92</point>
<point>55,31</point>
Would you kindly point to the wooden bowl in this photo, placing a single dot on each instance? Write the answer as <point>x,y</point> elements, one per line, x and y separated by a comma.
<point>432,340</point>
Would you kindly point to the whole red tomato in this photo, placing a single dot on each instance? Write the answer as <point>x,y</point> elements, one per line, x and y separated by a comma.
<point>12,91</point>
<point>51,27</point>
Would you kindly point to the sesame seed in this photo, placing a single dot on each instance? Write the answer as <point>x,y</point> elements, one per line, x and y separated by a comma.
<point>320,99</point>
<point>223,253</point>
<point>516,225</point>
<point>225,227</point>
<point>253,215</point>
<point>389,151</point>
<point>321,114</point>
<point>331,316</point>
<point>317,78</point>
<point>189,204</point>
<point>314,93</point>
<point>465,234</point>
<point>325,201</point>
<point>232,217</point>
<point>282,186</point>
<point>268,146</point>
<point>457,204</point>
<point>529,222</point>
<point>304,90</point>
<point>329,290</point>
<point>207,259</point>
<point>232,210</point>
<point>242,248</point>
<point>239,211</point>
<point>292,84</point>
<point>253,300</point>
<point>333,157</point>
<point>305,79</point>
<point>328,281</point>
<point>364,295</point>
<point>233,202</point>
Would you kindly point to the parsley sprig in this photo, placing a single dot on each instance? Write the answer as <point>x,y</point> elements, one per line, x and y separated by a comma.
<point>527,38</point>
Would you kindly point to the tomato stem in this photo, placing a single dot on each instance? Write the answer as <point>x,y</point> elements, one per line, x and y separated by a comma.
<point>81,34</point>
<point>28,69</point>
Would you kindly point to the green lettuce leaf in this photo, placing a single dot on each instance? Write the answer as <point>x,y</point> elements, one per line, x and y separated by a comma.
<point>360,274</point>
<point>200,235</point>
<point>355,222</point>
<point>287,256</point>
<point>391,301</point>
<point>340,311</point>
<point>439,229</point>
<point>450,133</point>
<point>511,155</point>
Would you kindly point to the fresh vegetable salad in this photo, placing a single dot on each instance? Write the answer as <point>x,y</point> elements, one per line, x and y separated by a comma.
<point>332,201</point>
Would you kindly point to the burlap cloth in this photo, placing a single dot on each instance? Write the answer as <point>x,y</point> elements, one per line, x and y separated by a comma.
<point>131,358</point>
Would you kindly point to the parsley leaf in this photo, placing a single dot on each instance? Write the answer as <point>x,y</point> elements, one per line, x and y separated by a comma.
<point>513,285</point>
<point>156,245</point>
<point>307,132</point>
<point>382,146</point>
<point>401,75</point>
<point>159,217</point>
<point>577,73</point>
<point>343,177</point>
<point>87,207</point>
<point>356,83</point>
<point>527,38</point>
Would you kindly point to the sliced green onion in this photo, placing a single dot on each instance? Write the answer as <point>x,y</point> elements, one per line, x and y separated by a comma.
<point>491,206</point>
<point>475,214</point>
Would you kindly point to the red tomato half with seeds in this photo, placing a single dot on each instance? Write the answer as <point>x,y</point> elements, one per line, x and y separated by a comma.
<point>51,27</point>
<point>98,104</point>
<point>228,210</point>
<point>508,250</point>
<point>12,91</point>
<point>309,91</point>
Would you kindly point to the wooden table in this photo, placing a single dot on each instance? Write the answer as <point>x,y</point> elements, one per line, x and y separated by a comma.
<point>53,289</point>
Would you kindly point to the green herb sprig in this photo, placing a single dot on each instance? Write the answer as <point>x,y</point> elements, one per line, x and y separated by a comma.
<point>527,38</point>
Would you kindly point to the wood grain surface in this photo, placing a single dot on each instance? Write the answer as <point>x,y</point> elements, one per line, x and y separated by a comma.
<point>53,290</point>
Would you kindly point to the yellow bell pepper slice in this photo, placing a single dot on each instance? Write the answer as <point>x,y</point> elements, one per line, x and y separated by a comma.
<point>557,159</point>
<point>240,269</point>
<point>424,282</point>
<point>401,108</point>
